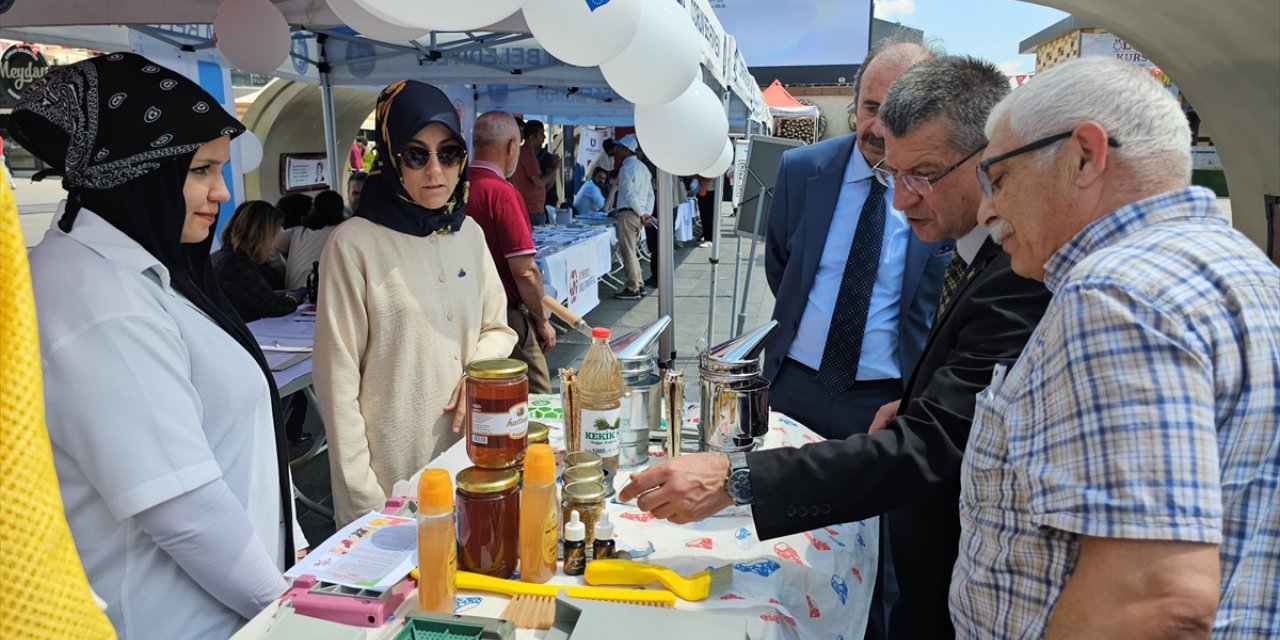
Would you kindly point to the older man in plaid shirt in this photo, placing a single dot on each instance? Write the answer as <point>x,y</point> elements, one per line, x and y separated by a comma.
<point>1121,479</point>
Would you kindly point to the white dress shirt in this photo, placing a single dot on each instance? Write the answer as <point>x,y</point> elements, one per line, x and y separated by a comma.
<point>147,399</point>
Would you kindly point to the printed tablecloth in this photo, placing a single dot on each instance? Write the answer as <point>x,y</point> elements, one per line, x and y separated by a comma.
<point>813,585</point>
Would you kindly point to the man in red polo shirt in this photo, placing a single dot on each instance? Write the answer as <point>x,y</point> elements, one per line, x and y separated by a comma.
<point>500,211</point>
<point>529,178</point>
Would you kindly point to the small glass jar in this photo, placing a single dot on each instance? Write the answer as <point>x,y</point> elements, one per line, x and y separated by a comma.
<point>587,498</point>
<point>584,474</point>
<point>488,521</point>
<point>539,433</point>
<point>498,412</point>
<point>582,459</point>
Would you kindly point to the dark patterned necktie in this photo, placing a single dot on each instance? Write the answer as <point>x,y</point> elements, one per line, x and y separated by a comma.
<point>951,281</point>
<point>839,368</point>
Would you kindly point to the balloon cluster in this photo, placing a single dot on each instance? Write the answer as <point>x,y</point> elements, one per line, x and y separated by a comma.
<point>648,51</point>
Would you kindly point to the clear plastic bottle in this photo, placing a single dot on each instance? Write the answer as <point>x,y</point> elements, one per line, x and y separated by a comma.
<point>539,517</point>
<point>600,399</point>
<point>437,543</point>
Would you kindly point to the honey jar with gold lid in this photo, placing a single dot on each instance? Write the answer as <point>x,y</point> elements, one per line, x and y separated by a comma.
<point>498,412</point>
<point>488,520</point>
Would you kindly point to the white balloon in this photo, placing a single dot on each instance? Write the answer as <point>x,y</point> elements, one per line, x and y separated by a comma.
<point>661,61</point>
<point>252,35</point>
<point>686,135</point>
<point>441,15</point>
<point>573,32</point>
<point>370,26</point>
<point>250,151</point>
<point>721,164</point>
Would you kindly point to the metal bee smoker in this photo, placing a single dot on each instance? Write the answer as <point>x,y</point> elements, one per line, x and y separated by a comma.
<point>735,395</point>
<point>642,390</point>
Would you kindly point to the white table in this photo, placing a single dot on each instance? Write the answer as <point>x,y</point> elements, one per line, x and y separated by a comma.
<point>296,379</point>
<point>294,326</point>
<point>572,260</point>
<point>814,585</point>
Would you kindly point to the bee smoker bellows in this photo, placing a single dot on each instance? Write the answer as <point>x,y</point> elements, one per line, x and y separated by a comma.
<point>735,395</point>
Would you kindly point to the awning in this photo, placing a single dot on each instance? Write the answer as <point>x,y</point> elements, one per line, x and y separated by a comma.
<point>784,105</point>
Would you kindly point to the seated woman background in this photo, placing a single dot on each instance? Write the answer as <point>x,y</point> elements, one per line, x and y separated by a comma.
<point>302,244</point>
<point>241,263</point>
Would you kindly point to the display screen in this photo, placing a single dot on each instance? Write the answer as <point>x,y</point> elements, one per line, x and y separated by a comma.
<point>797,33</point>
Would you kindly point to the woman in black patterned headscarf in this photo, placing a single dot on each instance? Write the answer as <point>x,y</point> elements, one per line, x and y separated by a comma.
<point>408,295</point>
<point>161,409</point>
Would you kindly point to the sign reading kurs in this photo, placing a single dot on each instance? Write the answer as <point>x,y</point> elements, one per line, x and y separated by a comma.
<point>19,67</point>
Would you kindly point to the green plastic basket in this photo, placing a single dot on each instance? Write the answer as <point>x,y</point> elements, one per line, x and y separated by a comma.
<point>419,629</point>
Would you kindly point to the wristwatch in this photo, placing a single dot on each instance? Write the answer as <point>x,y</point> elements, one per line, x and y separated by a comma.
<point>738,481</point>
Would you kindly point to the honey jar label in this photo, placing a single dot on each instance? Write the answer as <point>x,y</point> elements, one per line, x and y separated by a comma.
<point>513,423</point>
<point>600,431</point>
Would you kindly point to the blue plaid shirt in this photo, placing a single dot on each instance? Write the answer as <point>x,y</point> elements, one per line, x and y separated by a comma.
<point>1144,407</point>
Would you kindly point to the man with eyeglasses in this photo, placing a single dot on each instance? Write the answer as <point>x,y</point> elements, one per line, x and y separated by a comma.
<point>855,292</point>
<point>909,466</point>
<point>1121,476</point>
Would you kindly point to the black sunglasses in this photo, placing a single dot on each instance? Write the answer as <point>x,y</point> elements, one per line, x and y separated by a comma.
<point>416,157</point>
<point>984,165</point>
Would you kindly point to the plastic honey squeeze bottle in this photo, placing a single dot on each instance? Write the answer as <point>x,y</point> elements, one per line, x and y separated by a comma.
<point>437,542</point>
<point>539,516</point>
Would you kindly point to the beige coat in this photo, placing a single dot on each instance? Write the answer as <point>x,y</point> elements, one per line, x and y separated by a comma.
<point>399,316</point>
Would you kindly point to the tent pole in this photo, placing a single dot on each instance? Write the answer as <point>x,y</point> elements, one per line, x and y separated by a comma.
<point>737,262</point>
<point>666,272</point>
<point>715,241</point>
<point>765,192</point>
<point>330,121</point>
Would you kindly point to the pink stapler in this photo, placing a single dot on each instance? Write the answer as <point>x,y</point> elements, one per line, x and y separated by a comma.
<point>347,605</point>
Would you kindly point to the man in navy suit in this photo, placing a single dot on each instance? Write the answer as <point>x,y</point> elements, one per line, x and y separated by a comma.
<point>855,290</point>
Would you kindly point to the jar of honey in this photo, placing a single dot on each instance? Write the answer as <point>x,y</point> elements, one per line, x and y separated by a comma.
<point>488,521</point>
<point>498,416</point>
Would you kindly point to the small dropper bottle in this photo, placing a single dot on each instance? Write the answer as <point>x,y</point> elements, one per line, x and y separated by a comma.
<point>603,547</point>
<point>575,546</point>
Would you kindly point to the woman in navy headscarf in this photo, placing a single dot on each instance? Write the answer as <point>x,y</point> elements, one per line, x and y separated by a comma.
<point>408,295</point>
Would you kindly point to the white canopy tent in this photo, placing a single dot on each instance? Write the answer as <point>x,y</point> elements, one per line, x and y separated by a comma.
<point>502,60</point>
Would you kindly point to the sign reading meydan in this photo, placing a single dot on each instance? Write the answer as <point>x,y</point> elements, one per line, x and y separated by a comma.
<point>20,66</point>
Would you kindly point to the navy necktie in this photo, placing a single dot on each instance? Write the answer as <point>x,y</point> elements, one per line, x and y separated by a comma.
<point>839,368</point>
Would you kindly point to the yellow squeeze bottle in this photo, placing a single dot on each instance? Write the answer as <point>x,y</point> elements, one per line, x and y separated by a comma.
<point>539,517</point>
<point>437,542</point>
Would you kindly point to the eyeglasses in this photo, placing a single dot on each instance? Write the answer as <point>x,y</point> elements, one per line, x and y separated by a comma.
<point>415,157</point>
<point>983,166</point>
<point>917,184</point>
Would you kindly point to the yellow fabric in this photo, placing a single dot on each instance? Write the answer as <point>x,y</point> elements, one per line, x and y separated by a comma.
<point>43,589</point>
